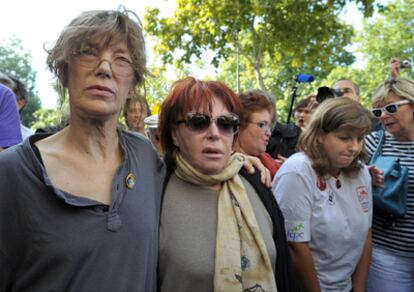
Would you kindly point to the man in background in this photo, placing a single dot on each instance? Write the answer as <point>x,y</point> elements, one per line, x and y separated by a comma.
<point>21,98</point>
<point>348,88</point>
<point>10,133</point>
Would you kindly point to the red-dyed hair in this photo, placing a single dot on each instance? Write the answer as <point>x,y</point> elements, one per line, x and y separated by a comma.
<point>252,101</point>
<point>187,95</point>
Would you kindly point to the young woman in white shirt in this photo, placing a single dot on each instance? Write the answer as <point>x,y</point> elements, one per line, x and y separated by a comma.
<point>325,195</point>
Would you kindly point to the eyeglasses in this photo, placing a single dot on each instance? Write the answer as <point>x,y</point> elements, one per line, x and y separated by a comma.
<point>227,124</point>
<point>120,66</point>
<point>262,125</point>
<point>391,108</point>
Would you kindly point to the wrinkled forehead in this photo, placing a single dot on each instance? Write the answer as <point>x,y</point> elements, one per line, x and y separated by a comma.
<point>102,40</point>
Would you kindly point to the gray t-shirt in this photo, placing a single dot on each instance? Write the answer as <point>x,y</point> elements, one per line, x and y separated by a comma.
<point>51,240</point>
<point>188,235</point>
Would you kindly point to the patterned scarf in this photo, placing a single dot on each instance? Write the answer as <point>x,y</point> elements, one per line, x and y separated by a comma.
<point>242,262</point>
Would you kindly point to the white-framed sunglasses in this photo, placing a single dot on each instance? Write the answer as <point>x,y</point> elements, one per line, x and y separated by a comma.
<point>391,108</point>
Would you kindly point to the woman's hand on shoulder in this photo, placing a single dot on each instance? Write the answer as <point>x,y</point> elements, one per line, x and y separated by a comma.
<point>280,159</point>
<point>251,162</point>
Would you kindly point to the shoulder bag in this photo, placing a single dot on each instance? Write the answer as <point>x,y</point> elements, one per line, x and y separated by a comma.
<point>390,200</point>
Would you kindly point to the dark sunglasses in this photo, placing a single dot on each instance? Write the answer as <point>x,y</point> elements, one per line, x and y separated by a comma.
<point>227,124</point>
<point>391,108</point>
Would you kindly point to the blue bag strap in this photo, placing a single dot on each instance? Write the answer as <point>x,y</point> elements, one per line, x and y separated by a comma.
<point>378,151</point>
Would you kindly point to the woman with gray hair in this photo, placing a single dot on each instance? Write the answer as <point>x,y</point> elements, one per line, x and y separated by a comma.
<point>392,266</point>
<point>79,209</point>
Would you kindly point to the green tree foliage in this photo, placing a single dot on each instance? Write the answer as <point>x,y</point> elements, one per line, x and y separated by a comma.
<point>158,85</point>
<point>27,115</point>
<point>156,88</point>
<point>46,118</point>
<point>15,60</point>
<point>275,39</point>
<point>388,35</point>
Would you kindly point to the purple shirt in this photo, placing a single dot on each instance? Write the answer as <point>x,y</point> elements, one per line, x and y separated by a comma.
<point>10,133</point>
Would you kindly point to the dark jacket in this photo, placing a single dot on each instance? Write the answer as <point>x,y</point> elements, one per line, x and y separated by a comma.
<point>283,140</point>
<point>285,280</point>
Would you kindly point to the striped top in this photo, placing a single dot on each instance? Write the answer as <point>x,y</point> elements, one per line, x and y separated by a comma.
<point>399,237</point>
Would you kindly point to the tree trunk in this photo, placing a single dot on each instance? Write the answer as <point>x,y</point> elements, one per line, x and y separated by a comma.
<point>258,74</point>
<point>257,52</point>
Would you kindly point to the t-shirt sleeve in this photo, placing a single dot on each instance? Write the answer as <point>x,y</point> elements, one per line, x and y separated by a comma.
<point>294,195</point>
<point>368,179</point>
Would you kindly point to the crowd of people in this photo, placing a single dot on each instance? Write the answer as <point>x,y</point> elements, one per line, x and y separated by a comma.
<point>211,194</point>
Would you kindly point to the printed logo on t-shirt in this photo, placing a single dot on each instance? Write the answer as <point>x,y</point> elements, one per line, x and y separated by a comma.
<point>363,198</point>
<point>296,232</point>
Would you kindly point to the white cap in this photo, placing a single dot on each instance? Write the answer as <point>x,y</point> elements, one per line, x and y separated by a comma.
<point>151,121</point>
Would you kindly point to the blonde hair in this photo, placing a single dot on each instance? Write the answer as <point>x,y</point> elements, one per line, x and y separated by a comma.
<point>332,115</point>
<point>402,87</point>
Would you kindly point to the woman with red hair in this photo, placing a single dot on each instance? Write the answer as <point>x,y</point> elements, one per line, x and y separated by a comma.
<point>255,127</point>
<point>220,227</point>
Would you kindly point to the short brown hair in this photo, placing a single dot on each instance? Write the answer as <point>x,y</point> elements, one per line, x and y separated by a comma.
<point>331,115</point>
<point>253,101</point>
<point>186,95</point>
<point>304,103</point>
<point>107,24</point>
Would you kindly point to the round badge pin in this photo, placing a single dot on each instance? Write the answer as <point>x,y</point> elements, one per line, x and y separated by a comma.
<point>130,181</point>
<point>321,184</point>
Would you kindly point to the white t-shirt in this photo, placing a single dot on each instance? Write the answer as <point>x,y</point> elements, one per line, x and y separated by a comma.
<point>26,132</point>
<point>334,221</point>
